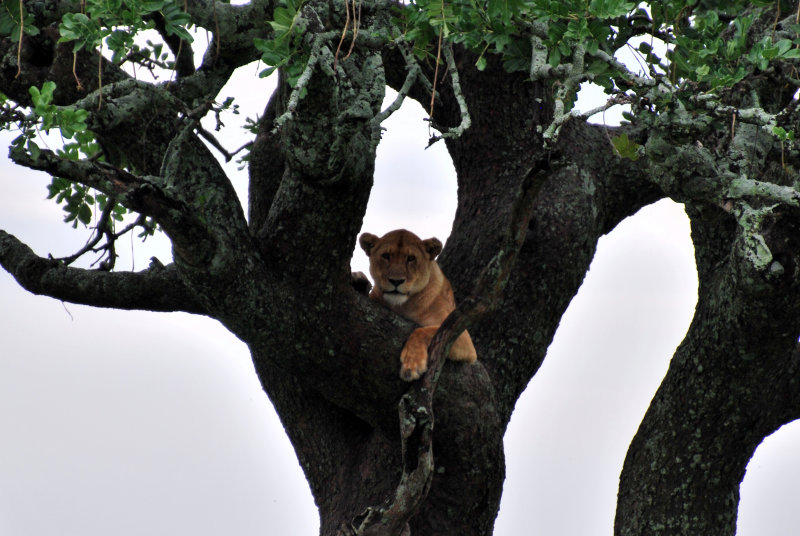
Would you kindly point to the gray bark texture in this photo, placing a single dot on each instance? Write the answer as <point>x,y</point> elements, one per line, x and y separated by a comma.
<point>528,220</point>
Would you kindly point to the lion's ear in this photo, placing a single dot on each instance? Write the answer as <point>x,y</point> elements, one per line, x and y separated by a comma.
<point>367,241</point>
<point>433,246</point>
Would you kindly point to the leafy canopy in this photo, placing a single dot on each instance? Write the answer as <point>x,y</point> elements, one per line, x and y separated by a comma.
<point>682,49</point>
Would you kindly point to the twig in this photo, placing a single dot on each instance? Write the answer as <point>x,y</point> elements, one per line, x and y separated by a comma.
<point>634,78</point>
<point>466,120</point>
<point>302,82</point>
<point>21,33</point>
<point>539,69</point>
<point>210,138</point>
<point>104,229</point>
<point>356,25</point>
<point>410,61</point>
<point>100,231</point>
<point>344,32</point>
<point>78,84</point>
<point>436,69</point>
<point>619,98</point>
<point>100,77</point>
<point>412,76</point>
<point>218,36</point>
<point>570,85</point>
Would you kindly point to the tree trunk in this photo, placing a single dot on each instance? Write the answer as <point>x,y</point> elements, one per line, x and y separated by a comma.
<point>734,380</point>
<point>327,357</point>
<point>352,465</point>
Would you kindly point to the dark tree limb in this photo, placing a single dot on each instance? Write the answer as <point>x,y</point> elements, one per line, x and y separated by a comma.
<point>733,380</point>
<point>266,162</point>
<point>158,288</point>
<point>327,160</point>
<point>184,56</point>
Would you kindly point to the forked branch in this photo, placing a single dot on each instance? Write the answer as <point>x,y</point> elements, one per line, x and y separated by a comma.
<point>158,288</point>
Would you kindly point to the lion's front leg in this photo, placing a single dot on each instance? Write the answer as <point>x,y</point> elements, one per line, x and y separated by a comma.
<point>414,357</point>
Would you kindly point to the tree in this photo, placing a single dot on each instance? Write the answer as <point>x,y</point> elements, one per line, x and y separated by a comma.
<point>711,125</point>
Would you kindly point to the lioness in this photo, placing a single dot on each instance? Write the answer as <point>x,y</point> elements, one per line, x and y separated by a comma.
<point>409,281</point>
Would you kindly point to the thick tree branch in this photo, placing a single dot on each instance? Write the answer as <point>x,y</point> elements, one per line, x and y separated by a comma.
<point>266,164</point>
<point>158,288</point>
<point>587,194</point>
<point>184,55</point>
<point>328,159</point>
<point>238,23</point>
<point>733,380</point>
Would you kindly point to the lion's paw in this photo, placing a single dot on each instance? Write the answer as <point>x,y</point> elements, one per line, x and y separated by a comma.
<point>414,363</point>
<point>360,282</point>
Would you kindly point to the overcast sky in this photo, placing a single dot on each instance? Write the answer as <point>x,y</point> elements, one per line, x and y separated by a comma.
<point>130,423</point>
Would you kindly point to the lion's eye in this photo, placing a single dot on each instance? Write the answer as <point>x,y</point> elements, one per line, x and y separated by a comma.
<point>411,258</point>
<point>386,256</point>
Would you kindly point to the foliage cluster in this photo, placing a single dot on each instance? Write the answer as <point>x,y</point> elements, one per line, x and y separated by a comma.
<point>682,47</point>
<point>112,25</point>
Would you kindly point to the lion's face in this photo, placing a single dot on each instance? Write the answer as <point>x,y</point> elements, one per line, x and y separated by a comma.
<point>400,263</point>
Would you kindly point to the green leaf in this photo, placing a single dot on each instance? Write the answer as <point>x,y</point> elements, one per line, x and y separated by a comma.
<point>607,9</point>
<point>33,149</point>
<point>770,53</point>
<point>85,214</point>
<point>266,72</point>
<point>626,147</point>
<point>283,20</point>
<point>36,95</point>
<point>175,20</point>
<point>554,59</point>
<point>48,89</point>
<point>782,134</point>
<point>783,46</point>
<point>10,18</point>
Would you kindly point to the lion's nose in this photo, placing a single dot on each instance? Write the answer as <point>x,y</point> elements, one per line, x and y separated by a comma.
<point>397,282</point>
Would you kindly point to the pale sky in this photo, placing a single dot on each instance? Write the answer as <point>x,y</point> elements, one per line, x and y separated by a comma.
<point>131,423</point>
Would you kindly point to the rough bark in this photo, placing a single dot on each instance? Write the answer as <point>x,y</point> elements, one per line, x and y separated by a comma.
<point>327,357</point>
<point>733,381</point>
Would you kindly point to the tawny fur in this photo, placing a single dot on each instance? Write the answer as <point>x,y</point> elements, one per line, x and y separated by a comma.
<point>409,281</point>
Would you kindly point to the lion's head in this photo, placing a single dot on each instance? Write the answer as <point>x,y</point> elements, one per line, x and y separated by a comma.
<point>400,263</point>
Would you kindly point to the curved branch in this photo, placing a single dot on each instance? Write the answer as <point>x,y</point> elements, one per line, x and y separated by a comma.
<point>458,95</point>
<point>158,288</point>
<point>732,381</point>
<point>414,74</point>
